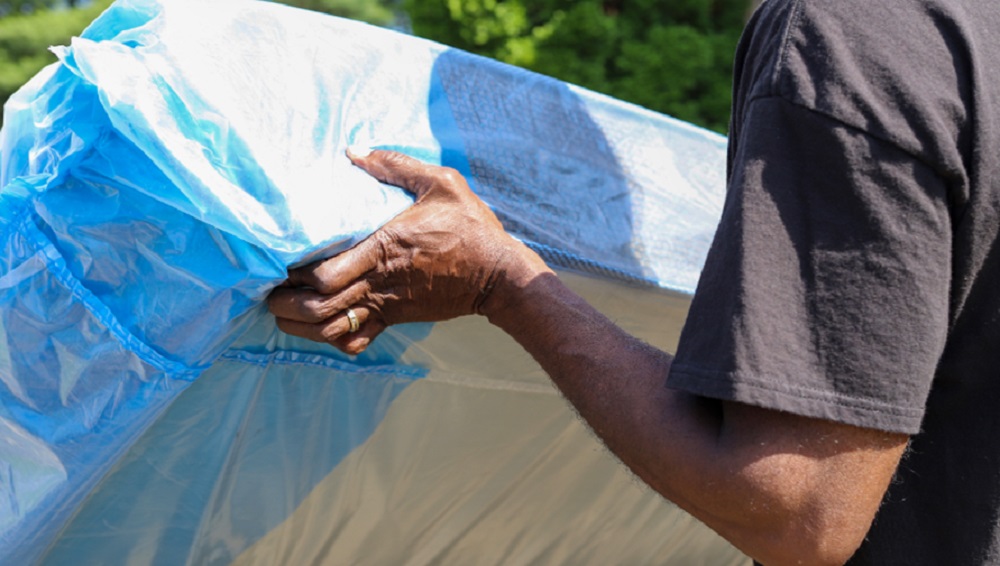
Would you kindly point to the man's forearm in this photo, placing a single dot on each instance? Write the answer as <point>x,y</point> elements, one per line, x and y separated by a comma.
<point>616,382</point>
<point>763,500</point>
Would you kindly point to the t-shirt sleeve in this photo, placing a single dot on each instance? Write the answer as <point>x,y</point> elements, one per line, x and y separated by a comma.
<point>825,293</point>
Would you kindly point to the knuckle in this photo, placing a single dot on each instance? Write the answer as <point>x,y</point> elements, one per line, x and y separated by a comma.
<point>316,308</point>
<point>365,292</point>
<point>384,243</point>
<point>384,237</point>
<point>452,178</point>
<point>323,278</point>
<point>307,310</point>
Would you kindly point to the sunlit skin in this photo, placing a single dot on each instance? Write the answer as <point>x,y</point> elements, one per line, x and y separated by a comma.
<point>784,489</point>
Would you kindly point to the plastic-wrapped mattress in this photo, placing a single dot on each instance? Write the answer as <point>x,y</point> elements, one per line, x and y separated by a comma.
<point>159,180</point>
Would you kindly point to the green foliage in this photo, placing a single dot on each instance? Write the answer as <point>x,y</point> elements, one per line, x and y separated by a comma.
<point>674,56</point>
<point>14,7</point>
<point>25,39</point>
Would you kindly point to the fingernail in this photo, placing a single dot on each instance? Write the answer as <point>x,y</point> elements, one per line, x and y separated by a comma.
<point>359,151</point>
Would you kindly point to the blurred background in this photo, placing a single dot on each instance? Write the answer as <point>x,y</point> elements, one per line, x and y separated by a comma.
<point>672,56</point>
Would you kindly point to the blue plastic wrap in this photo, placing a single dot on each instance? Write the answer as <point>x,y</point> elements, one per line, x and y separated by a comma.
<point>159,180</point>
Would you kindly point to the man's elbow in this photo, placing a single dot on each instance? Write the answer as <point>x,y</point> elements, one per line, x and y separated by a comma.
<point>809,540</point>
<point>802,490</point>
<point>796,516</point>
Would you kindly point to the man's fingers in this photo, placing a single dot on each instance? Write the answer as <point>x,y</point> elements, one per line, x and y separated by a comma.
<point>301,329</point>
<point>334,330</point>
<point>402,170</point>
<point>310,306</point>
<point>330,276</point>
<point>354,343</point>
<point>296,304</point>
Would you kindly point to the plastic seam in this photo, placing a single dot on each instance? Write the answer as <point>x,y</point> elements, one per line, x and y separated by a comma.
<point>292,358</point>
<point>56,266</point>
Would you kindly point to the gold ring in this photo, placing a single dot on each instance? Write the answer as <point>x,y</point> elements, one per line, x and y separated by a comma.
<point>352,318</point>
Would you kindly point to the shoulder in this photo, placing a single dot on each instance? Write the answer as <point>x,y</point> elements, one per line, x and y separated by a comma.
<point>895,69</point>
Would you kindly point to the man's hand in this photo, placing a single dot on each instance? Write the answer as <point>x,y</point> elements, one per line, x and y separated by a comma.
<point>439,259</point>
<point>783,488</point>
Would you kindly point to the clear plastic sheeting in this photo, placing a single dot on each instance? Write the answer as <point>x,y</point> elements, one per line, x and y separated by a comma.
<point>157,182</point>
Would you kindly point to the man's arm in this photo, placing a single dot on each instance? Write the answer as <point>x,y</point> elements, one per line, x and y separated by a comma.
<point>782,488</point>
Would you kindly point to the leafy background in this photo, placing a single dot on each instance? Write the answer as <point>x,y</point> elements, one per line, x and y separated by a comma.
<point>673,56</point>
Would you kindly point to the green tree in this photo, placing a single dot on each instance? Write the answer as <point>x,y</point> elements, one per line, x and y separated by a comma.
<point>674,56</point>
<point>9,7</point>
<point>25,39</point>
<point>21,6</point>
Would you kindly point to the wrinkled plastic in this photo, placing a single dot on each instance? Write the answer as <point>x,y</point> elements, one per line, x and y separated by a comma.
<point>159,180</point>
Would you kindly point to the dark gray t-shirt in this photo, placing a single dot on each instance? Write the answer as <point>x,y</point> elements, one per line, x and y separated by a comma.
<point>855,275</point>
